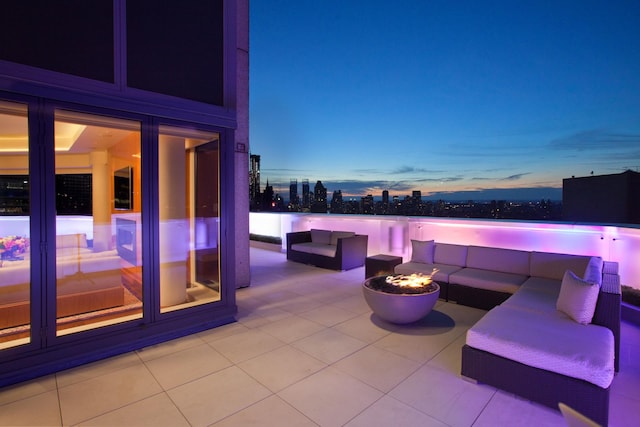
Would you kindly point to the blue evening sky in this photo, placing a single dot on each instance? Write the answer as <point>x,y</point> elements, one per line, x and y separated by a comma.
<point>444,96</point>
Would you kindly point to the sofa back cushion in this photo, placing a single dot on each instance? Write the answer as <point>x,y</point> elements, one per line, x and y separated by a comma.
<point>448,253</point>
<point>498,259</point>
<point>422,251</point>
<point>553,266</point>
<point>322,237</point>
<point>335,235</point>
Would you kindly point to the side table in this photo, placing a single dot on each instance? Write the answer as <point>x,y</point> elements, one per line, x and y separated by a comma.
<point>378,265</point>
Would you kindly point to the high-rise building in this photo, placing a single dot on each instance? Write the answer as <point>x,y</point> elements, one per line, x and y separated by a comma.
<point>306,198</point>
<point>337,205</point>
<point>254,182</point>
<point>319,198</point>
<point>268,198</point>
<point>366,204</point>
<point>293,195</point>
<point>385,197</point>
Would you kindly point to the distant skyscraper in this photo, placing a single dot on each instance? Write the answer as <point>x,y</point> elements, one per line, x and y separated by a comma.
<point>367,204</point>
<point>254,182</point>
<point>306,199</point>
<point>385,197</point>
<point>267,198</point>
<point>293,194</point>
<point>320,198</point>
<point>337,206</point>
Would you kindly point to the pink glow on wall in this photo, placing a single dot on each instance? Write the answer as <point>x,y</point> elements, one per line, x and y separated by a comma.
<point>390,234</point>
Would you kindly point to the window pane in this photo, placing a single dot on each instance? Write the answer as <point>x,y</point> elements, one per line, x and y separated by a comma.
<point>98,235</point>
<point>15,254</point>
<point>188,164</point>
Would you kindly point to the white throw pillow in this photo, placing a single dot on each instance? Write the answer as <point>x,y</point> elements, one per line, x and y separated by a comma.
<point>321,236</point>
<point>422,251</point>
<point>578,298</point>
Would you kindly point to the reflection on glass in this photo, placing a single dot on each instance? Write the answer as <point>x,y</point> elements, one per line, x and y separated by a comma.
<point>188,164</point>
<point>15,254</point>
<point>97,282</point>
<point>123,188</point>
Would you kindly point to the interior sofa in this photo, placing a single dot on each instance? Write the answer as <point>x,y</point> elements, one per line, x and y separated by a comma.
<point>86,281</point>
<point>335,250</point>
<point>552,332</point>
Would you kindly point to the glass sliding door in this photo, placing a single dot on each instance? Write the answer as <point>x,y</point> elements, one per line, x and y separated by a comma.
<point>98,221</point>
<point>15,246</point>
<point>189,194</point>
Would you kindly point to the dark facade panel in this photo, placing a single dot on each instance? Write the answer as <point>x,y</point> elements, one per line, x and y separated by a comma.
<point>602,199</point>
<point>71,36</point>
<point>176,48</point>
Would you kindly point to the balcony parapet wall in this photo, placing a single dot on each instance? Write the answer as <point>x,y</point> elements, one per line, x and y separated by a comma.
<point>393,235</point>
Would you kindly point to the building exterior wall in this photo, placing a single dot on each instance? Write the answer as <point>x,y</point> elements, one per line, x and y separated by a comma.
<point>602,199</point>
<point>50,85</point>
<point>243,277</point>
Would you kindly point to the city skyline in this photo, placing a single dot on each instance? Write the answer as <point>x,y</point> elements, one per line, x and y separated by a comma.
<point>472,100</point>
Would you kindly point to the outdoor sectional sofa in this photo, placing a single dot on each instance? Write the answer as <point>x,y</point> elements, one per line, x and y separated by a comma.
<point>335,250</point>
<point>552,332</point>
<point>86,281</point>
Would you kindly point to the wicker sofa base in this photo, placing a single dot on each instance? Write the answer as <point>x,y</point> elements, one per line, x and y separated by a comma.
<point>538,385</point>
<point>351,252</point>
<point>476,297</point>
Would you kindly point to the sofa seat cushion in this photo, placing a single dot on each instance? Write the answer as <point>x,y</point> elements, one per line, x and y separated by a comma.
<point>486,279</point>
<point>551,342</point>
<point>442,275</point>
<point>536,294</point>
<point>316,248</point>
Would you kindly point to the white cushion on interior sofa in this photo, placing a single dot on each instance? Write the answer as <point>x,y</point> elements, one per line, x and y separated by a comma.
<point>335,235</point>
<point>450,254</point>
<point>498,259</point>
<point>422,251</point>
<point>578,298</point>
<point>321,236</point>
<point>71,241</point>
<point>486,279</point>
<point>551,342</point>
<point>552,265</point>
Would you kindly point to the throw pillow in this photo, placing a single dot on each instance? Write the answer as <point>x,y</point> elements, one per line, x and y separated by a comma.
<point>422,251</point>
<point>593,272</point>
<point>321,236</point>
<point>578,298</point>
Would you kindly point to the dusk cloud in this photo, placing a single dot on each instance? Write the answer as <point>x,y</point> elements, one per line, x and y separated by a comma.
<point>596,139</point>
<point>515,177</point>
<point>411,169</point>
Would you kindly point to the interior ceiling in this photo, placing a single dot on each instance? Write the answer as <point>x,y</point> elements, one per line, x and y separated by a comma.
<point>70,137</point>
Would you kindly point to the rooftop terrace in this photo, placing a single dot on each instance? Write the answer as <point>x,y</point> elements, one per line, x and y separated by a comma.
<point>305,350</point>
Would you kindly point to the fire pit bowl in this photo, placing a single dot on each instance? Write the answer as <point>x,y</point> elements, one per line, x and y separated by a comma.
<point>401,298</point>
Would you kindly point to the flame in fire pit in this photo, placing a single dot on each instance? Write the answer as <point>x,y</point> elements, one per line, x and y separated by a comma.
<point>415,280</point>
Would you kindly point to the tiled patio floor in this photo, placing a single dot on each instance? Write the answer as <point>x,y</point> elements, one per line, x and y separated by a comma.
<point>305,351</point>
